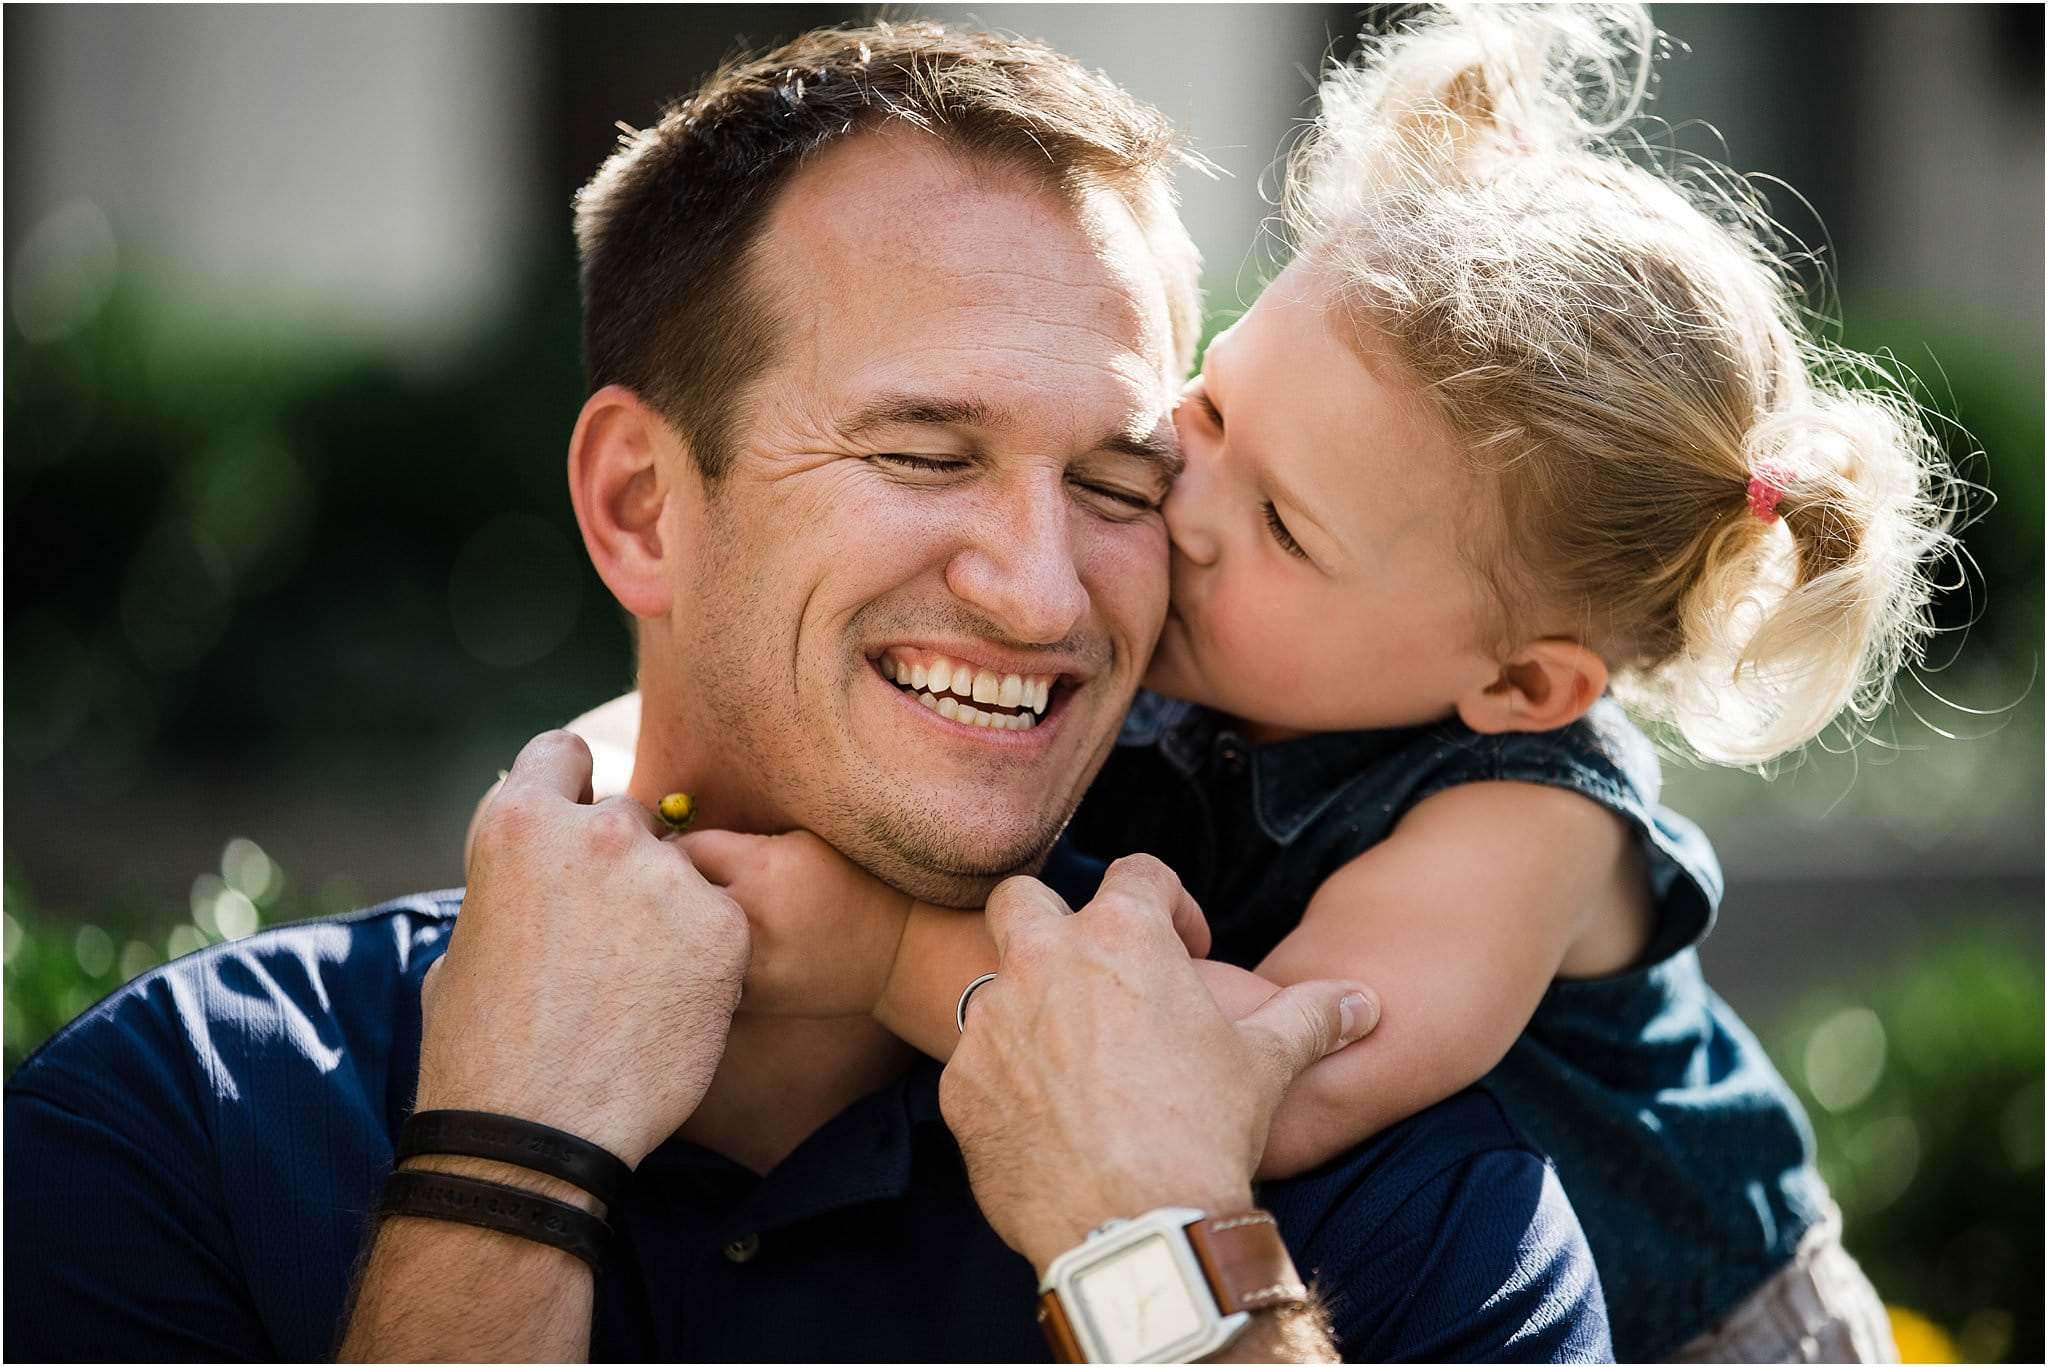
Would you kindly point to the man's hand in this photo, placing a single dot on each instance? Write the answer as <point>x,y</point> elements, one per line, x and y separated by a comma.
<point>593,971</point>
<point>1097,1077</point>
<point>825,931</point>
<point>589,986</point>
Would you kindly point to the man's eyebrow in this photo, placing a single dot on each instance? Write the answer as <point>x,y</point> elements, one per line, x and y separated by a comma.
<point>921,410</point>
<point>1158,447</point>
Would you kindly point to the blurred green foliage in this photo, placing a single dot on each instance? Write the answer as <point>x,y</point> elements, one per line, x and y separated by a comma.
<point>1987,409</point>
<point>60,961</point>
<point>1925,1089</point>
<point>231,540</point>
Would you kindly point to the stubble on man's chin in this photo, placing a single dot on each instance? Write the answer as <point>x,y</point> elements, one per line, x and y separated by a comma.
<point>909,856</point>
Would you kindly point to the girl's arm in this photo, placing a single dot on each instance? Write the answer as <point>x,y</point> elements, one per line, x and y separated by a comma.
<point>1461,919</point>
<point>942,951</point>
<point>611,730</point>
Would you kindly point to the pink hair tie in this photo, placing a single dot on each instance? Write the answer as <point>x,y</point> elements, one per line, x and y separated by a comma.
<point>1766,487</point>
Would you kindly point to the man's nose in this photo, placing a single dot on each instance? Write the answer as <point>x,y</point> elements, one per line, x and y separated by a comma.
<point>1021,572</point>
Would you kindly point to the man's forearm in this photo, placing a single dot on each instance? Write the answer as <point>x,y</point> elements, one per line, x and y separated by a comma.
<point>1293,1333</point>
<point>435,1290</point>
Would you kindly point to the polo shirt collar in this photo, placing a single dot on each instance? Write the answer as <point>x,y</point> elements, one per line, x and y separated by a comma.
<point>862,1154</point>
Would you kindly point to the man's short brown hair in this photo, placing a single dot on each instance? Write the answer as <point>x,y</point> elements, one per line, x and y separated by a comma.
<point>666,226</point>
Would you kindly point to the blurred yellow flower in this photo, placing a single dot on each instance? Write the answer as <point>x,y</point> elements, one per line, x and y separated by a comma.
<point>1920,1339</point>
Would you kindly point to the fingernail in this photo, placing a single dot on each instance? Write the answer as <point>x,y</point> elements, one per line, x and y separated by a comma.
<point>1355,1016</point>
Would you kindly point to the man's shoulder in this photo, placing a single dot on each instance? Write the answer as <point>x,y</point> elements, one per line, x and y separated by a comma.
<point>226,1020</point>
<point>1446,1237</point>
<point>189,1163</point>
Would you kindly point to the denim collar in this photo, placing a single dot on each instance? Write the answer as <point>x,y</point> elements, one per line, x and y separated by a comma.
<point>1292,781</point>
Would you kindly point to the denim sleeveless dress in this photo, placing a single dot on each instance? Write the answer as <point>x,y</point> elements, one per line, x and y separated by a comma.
<point>1687,1158</point>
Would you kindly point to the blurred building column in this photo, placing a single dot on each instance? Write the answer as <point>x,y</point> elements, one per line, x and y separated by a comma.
<point>1952,196</point>
<point>358,170</point>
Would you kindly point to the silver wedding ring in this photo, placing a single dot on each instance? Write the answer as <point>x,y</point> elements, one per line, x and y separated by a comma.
<point>960,1012</point>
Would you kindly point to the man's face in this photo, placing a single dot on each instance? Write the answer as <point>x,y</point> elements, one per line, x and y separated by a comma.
<point>955,463</point>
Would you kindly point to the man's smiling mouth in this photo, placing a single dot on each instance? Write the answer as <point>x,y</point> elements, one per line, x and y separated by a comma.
<point>959,691</point>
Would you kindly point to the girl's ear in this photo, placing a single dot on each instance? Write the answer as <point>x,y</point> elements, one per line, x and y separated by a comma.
<point>623,464</point>
<point>1543,686</point>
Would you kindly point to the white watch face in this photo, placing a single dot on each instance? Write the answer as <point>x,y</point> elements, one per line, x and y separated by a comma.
<point>1137,1302</point>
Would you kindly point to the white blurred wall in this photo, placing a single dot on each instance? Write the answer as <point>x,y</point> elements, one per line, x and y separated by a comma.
<point>361,168</point>
<point>1953,188</point>
<point>371,168</point>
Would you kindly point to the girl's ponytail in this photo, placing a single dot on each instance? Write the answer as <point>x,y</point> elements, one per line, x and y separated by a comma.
<point>1814,594</point>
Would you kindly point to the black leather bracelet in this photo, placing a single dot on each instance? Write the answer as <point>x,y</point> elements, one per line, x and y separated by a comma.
<point>522,1143</point>
<point>491,1205</point>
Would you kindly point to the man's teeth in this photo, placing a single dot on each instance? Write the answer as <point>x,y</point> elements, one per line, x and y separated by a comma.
<point>952,709</point>
<point>950,688</point>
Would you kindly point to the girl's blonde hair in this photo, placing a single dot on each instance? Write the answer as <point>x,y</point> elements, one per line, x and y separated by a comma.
<point>1620,349</point>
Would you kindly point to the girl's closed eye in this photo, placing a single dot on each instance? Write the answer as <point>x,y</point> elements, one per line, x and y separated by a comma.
<point>1280,532</point>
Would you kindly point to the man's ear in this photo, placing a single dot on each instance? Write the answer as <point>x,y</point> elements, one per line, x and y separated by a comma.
<point>1543,686</point>
<point>623,470</point>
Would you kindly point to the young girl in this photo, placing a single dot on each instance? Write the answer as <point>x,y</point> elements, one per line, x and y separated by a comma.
<point>1526,433</point>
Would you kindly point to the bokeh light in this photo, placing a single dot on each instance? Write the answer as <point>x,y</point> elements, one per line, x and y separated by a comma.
<point>206,891</point>
<point>1883,1158</point>
<point>250,497</point>
<point>48,706</point>
<point>515,590</point>
<point>137,958</point>
<point>2020,1127</point>
<point>1845,1058</point>
<point>94,949</point>
<point>249,871</point>
<point>176,597</point>
<point>63,272</point>
<point>235,914</point>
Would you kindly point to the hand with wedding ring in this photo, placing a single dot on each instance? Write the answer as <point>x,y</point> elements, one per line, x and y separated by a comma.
<point>1097,1078</point>
<point>966,994</point>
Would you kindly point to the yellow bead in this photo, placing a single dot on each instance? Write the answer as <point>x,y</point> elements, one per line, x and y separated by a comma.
<point>677,810</point>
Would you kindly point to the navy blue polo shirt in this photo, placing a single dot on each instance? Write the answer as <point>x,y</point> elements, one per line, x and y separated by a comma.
<point>190,1167</point>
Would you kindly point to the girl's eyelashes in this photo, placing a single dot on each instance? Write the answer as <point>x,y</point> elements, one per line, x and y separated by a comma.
<point>1280,532</point>
<point>1209,408</point>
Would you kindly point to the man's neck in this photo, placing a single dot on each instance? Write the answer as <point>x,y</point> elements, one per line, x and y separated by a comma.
<point>782,1076</point>
<point>669,759</point>
<point>785,1076</point>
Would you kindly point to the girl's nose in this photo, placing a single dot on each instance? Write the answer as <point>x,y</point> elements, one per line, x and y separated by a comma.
<point>1187,523</point>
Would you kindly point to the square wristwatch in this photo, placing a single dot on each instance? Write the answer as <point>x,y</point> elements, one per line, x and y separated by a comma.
<point>1172,1285</point>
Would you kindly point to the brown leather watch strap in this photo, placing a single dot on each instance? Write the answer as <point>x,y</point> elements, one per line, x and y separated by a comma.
<point>1246,1261</point>
<point>1052,1317</point>
<point>1243,1258</point>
